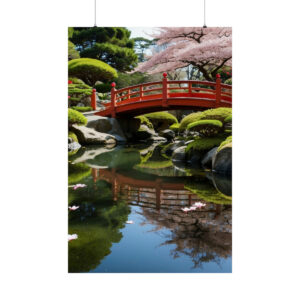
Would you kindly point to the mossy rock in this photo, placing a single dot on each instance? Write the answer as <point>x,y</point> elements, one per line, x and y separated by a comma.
<point>161,120</point>
<point>73,136</point>
<point>145,121</point>
<point>75,117</point>
<point>206,127</point>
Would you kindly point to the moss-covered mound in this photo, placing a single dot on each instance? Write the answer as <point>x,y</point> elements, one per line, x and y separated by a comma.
<point>206,127</point>
<point>75,117</point>
<point>161,120</point>
<point>91,70</point>
<point>204,144</point>
<point>144,120</point>
<point>73,136</point>
<point>224,143</point>
<point>174,127</point>
<point>220,114</point>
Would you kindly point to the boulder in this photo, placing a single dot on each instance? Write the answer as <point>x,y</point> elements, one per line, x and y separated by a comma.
<point>106,125</point>
<point>89,136</point>
<point>179,154</point>
<point>142,135</point>
<point>157,139</point>
<point>206,162</point>
<point>222,160</point>
<point>73,146</point>
<point>168,134</point>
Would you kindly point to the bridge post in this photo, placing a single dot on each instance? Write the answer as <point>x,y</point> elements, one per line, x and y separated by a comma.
<point>218,90</point>
<point>165,90</point>
<point>94,100</point>
<point>113,100</point>
<point>141,92</point>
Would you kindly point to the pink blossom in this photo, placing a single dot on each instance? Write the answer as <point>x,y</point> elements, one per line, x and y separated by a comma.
<point>193,208</point>
<point>207,49</point>
<point>186,209</point>
<point>72,237</point>
<point>73,207</point>
<point>199,204</point>
<point>79,185</point>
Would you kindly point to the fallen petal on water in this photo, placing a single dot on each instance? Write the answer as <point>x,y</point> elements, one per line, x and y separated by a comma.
<point>72,237</point>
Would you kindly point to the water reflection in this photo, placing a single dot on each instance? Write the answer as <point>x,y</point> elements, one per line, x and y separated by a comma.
<point>130,182</point>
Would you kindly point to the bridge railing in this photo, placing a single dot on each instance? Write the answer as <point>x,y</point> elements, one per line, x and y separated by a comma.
<point>164,90</point>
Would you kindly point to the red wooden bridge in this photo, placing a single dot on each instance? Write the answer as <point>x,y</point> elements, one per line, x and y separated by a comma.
<point>165,95</point>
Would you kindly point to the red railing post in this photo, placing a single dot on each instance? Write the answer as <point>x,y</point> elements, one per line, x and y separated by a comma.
<point>113,100</point>
<point>141,92</point>
<point>165,90</point>
<point>94,100</point>
<point>190,87</point>
<point>218,90</point>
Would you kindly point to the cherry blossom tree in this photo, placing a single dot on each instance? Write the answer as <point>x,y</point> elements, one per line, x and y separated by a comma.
<point>206,49</point>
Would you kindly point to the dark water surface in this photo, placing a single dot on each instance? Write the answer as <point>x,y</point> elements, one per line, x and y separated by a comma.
<point>136,183</point>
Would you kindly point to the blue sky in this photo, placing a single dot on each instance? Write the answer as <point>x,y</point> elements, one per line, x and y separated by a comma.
<point>141,31</point>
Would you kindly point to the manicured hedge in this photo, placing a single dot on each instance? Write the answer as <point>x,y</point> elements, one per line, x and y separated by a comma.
<point>75,117</point>
<point>91,70</point>
<point>206,127</point>
<point>204,144</point>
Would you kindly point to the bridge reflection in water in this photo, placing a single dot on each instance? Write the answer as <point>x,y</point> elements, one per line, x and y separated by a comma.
<point>155,194</point>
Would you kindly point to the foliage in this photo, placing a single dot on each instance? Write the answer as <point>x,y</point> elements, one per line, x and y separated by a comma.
<point>144,120</point>
<point>73,136</point>
<point>228,81</point>
<point>125,80</point>
<point>225,73</point>
<point>140,45</point>
<point>211,114</point>
<point>154,164</point>
<point>224,143</point>
<point>162,115</point>
<point>72,52</point>
<point>91,70</point>
<point>203,144</point>
<point>207,49</point>
<point>77,90</point>
<point>109,44</point>
<point>120,58</point>
<point>82,108</point>
<point>75,117</point>
<point>103,87</point>
<point>206,127</point>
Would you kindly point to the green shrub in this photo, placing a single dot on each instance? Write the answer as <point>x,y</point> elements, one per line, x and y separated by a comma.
<point>220,114</point>
<point>145,121</point>
<point>103,87</point>
<point>91,70</point>
<point>73,136</point>
<point>75,117</point>
<point>75,80</point>
<point>82,108</point>
<point>204,144</point>
<point>78,90</point>
<point>228,81</point>
<point>206,127</point>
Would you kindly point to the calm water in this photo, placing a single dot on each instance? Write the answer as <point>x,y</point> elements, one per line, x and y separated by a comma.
<point>138,184</point>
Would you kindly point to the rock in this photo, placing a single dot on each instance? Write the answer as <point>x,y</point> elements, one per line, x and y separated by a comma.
<point>106,125</point>
<point>146,128</point>
<point>142,135</point>
<point>206,162</point>
<point>179,154</point>
<point>222,161</point>
<point>188,142</point>
<point>73,146</point>
<point>157,139</point>
<point>89,136</point>
<point>172,147</point>
<point>70,140</point>
<point>168,134</point>
<point>176,219</point>
<point>129,126</point>
<point>189,220</point>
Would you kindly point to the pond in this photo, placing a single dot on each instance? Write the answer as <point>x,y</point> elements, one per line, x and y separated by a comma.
<point>130,217</point>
